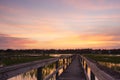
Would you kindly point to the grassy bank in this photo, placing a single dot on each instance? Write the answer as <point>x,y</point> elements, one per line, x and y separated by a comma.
<point>104,58</point>
<point>18,60</point>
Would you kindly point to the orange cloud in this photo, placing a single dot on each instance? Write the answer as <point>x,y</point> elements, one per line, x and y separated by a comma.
<point>64,42</point>
<point>81,41</point>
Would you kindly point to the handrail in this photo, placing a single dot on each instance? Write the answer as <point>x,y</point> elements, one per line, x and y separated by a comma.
<point>8,72</point>
<point>57,70</point>
<point>11,71</point>
<point>97,71</point>
<point>49,76</point>
<point>84,69</point>
<point>22,65</point>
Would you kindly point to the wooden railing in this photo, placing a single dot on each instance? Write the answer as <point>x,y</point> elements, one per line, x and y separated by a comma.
<point>11,71</point>
<point>97,71</point>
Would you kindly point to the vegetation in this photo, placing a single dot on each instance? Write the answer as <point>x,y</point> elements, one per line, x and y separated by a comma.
<point>10,56</point>
<point>17,60</point>
<point>104,58</point>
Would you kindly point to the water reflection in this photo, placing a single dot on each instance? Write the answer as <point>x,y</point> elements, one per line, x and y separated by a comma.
<point>60,64</point>
<point>114,66</point>
<point>49,69</point>
<point>31,75</point>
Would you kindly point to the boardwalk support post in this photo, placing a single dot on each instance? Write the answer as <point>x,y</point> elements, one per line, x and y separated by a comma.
<point>57,66</point>
<point>67,61</point>
<point>86,68</point>
<point>83,63</point>
<point>64,64</point>
<point>92,76</point>
<point>39,73</point>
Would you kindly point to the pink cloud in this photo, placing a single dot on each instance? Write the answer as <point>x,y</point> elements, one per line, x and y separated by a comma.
<point>12,10</point>
<point>68,41</point>
<point>6,41</point>
<point>92,4</point>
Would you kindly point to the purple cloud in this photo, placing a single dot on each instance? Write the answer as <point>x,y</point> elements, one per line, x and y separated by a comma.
<point>6,41</point>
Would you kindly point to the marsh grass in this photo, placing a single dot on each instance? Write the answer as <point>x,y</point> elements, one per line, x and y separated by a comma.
<point>18,60</point>
<point>104,58</point>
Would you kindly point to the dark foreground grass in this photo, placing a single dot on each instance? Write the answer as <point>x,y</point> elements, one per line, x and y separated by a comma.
<point>18,60</point>
<point>104,58</point>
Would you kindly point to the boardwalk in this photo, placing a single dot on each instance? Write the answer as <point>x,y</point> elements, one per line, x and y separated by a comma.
<point>74,71</point>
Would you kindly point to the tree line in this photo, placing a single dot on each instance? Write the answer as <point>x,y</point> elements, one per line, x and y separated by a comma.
<point>58,51</point>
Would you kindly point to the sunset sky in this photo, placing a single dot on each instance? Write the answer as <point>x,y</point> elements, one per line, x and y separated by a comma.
<point>59,24</point>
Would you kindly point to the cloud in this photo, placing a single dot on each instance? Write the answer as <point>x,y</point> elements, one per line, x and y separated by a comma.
<point>83,41</point>
<point>93,4</point>
<point>6,41</point>
<point>60,24</point>
<point>63,42</point>
<point>13,11</point>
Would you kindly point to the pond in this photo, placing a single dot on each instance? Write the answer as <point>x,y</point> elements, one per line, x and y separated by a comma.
<point>113,66</point>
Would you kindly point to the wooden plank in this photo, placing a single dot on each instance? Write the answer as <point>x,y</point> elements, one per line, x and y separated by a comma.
<point>74,71</point>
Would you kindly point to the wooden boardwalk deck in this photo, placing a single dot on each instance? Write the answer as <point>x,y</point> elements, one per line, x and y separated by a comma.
<point>74,71</point>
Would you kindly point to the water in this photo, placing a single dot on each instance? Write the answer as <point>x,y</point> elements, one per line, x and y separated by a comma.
<point>31,75</point>
<point>113,66</point>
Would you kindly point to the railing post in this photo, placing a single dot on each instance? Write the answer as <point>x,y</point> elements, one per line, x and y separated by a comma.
<point>39,73</point>
<point>86,68</point>
<point>67,61</point>
<point>80,59</point>
<point>92,76</point>
<point>83,63</point>
<point>57,66</point>
<point>63,64</point>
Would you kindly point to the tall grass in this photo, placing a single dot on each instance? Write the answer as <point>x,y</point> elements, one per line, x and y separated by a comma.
<point>18,60</point>
<point>104,58</point>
